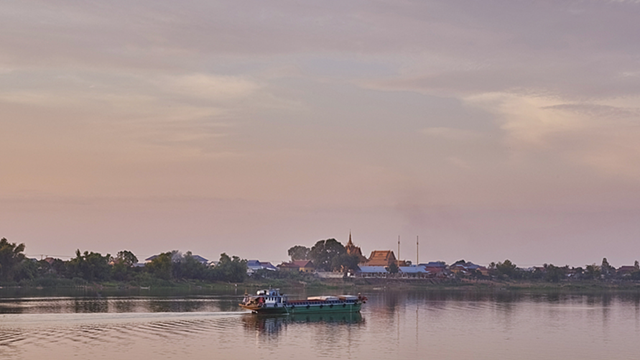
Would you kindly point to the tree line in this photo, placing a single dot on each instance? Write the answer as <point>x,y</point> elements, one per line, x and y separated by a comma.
<point>508,270</point>
<point>15,267</point>
<point>327,255</point>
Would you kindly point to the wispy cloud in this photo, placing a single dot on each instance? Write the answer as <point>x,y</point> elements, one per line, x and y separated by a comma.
<point>206,86</point>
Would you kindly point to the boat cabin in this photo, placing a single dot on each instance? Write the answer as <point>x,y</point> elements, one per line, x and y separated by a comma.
<point>270,298</point>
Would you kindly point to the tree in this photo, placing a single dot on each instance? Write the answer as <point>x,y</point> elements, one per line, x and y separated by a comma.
<point>161,266</point>
<point>299,252</point>
<point>506,268</point>
<point>126,258</point>
<point>90,266</point>
<point>190,268</point>
<point>606,269</point>
<point>592,271</point>
<point>27,270</point>
<point>393,268</point>
<point>345,262</point>
<point>636,265</point>
<point>232,269</point>
<point>122,265</point>
<point>10,256</point>
<point>323,252</point>
<point>554,273</point>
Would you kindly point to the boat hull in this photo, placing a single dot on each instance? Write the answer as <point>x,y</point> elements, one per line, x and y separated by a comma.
<point>307,309</point>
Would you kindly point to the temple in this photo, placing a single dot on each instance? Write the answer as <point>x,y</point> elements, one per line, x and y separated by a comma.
<point>354,250</point>
<point>381,258</point>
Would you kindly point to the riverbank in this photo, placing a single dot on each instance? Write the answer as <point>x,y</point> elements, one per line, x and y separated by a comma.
<point>348,284</point>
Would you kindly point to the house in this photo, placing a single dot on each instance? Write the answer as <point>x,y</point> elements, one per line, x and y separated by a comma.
<point>466,268</point>
<point>176,257</point>
<point>435,264</point>
<point>626,270</point>
<point>435,268</point>
<point>305,266</point>
<point>255,265</point>
<point>458,268</point>
<point>382,258</point>
<point>483,270</point>
<point>200,259</point>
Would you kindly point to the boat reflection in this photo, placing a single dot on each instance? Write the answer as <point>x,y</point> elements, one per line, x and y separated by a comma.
<point>272,324</point>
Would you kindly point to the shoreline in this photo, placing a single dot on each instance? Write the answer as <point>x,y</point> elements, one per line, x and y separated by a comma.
<point>357,285</point>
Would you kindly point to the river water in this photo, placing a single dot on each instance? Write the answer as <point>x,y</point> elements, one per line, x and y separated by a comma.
<point>392,325</point>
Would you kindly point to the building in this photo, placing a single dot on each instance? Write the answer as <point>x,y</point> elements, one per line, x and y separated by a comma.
<point>372,271</point>
<point>381,258</point>
<point>255,265</point>
<point>200,259</point>
<point>176,257</point>
<point>435,268</point>
<point>627,270</point>
<point>467,268</point>
<point>305,266</point>
<point>415,271</point>
<point>355,250</point>
<point>435,264</point>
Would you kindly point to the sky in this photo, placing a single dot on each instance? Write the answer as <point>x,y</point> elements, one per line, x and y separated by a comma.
<point>491,130</point>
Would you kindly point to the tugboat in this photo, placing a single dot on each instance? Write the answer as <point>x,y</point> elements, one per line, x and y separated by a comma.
<point>272,302</point>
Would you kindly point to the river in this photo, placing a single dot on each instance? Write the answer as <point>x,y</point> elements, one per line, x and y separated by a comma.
<point>419,324</point>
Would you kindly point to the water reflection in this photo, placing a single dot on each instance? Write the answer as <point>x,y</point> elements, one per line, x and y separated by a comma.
<point>407,324</point>
<point>91,305</point>
<point>114,305</point>
<point>270,325</point>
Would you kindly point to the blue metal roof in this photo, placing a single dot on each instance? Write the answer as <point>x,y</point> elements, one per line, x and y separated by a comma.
<point>412,270</point>
<point>373,269</point>
<point>200,259</point>
<point>439,264</point>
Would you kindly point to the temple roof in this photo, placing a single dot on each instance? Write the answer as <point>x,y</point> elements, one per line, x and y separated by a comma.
<point>350,243</point>
<point>381,258</point>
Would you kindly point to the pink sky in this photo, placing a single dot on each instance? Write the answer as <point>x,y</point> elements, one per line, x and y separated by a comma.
<point>491,130</point>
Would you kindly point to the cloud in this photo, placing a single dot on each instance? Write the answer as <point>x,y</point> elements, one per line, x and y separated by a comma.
<point>600,137</point>
<point>187,113</point>
<point>206,86</point>
<point>603,112</point>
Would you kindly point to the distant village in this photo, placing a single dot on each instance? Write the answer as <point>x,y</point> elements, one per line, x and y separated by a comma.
<point>326,259</point>
<point>384,264</point>
<point>380,263</point>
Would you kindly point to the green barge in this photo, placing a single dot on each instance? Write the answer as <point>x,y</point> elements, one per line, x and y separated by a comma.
<point>272,302</point>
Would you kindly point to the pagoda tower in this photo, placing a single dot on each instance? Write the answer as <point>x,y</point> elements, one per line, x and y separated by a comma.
<point>354,250</point>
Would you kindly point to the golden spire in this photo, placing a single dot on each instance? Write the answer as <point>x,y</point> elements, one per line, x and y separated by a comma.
<point>350,243</point>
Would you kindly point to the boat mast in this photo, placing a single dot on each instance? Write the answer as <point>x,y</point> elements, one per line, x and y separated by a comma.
<point>417,250</point>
